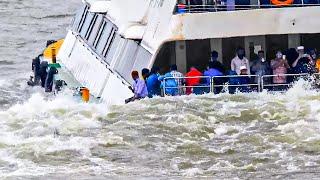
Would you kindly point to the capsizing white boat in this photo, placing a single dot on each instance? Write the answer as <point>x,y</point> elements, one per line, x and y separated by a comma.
<point>109,39</point>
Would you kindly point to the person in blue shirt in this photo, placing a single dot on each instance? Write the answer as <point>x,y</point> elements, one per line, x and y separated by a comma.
<point>169,83</point>
<point>139,88</point>
<point>213,71</point>
<point>153,83</point>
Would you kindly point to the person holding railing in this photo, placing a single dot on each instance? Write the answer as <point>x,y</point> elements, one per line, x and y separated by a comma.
<point>280,67</point>
<point>139,88</point>
<point>239,61</point>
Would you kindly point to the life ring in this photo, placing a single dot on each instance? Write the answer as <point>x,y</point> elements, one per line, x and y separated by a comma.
<point>282,2</point>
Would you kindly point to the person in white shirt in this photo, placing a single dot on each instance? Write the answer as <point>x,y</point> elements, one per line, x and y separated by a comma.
<point>240,60</point>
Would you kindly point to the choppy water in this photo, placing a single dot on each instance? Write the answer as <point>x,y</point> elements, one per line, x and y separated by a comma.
<point>258,136</point>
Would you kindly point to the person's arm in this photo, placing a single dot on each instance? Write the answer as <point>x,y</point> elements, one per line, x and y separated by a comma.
<point>286,64</point>
<point>274,64</point>
<point>248,67</point>
<point>294,64</point>
<point>233,68</point>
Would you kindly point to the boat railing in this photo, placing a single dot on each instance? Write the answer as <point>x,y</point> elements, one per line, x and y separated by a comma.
<point>214,6</point>
<point>231,83</point>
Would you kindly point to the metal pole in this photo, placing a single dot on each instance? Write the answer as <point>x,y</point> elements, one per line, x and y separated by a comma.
<point>164,87</point>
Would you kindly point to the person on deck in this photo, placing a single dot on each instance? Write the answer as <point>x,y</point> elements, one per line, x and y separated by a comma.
<point>153,83</point>
<point>178,78</point>
<point>213,71</point>
<point>169,84</point>
<point>192,79</point>
<point>279,66</point>
<point>316,60</point>
<point>239,61</point>
<point>218,64</point>
<point>260,67</point>
<point>145,73</point>
<point>303,64</point>
<point>139,88</point>
<point>244,79</point>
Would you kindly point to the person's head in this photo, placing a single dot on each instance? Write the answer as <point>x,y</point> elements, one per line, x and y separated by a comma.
<point>214,55</point>
<point>241,52</point>
<point>243,70</point>
<point>155,70</point>
<point>279,55</point>
<point>300,50</point>
<point>174,67</point>
<point>145,73</point>
<point>135,75</point>
<point>261,54</point>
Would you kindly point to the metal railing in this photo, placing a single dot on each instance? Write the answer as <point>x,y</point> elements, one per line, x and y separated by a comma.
<point>215,6</point>
<point>232,83</point>
<point>207,84</point>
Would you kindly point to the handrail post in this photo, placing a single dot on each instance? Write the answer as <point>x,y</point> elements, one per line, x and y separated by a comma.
<point>164,87</point>
<point>211,85</point>
<point>262,82</point>
<point>259,83</point>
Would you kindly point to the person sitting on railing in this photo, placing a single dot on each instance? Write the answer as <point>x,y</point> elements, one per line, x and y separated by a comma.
<point>303,64</point>
<point>153,83</point>
<point>192,79</point>
<point>239,61</point>
<point>213,71</point>
<point>279,66</point>
<point>139,88</point>
<point>261,66</point>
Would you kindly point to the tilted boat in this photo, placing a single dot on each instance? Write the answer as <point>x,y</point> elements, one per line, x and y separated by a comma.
<point>109,39</point>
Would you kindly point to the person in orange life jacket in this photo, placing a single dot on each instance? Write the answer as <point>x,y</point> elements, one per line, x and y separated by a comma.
<point>139,88</point>
<point>192,81</point>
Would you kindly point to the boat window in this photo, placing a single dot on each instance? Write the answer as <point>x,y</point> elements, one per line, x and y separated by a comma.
<point>94,30</point>
<point>104,37</point>
<point>126,61</point>
<point>83,17</point>
<point>113,48</point>
<point>110,40</point>
<point>79,16</point>
<point>142,59</point>
<point>86,24</point>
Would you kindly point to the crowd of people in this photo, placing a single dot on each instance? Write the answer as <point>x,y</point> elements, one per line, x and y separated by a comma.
<point>173,83</point>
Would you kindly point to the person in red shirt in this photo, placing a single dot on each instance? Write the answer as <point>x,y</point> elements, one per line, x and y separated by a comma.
<point>194,72</point>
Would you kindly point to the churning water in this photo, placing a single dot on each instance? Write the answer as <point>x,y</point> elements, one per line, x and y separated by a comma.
<point>260,136</point>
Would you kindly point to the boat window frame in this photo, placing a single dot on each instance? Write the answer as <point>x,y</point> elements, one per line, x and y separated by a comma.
<point>89,19</point>
<point>84,15</point>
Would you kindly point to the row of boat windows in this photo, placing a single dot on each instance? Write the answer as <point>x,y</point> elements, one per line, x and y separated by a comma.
<point>101,35</point>
<point>98,32</point>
